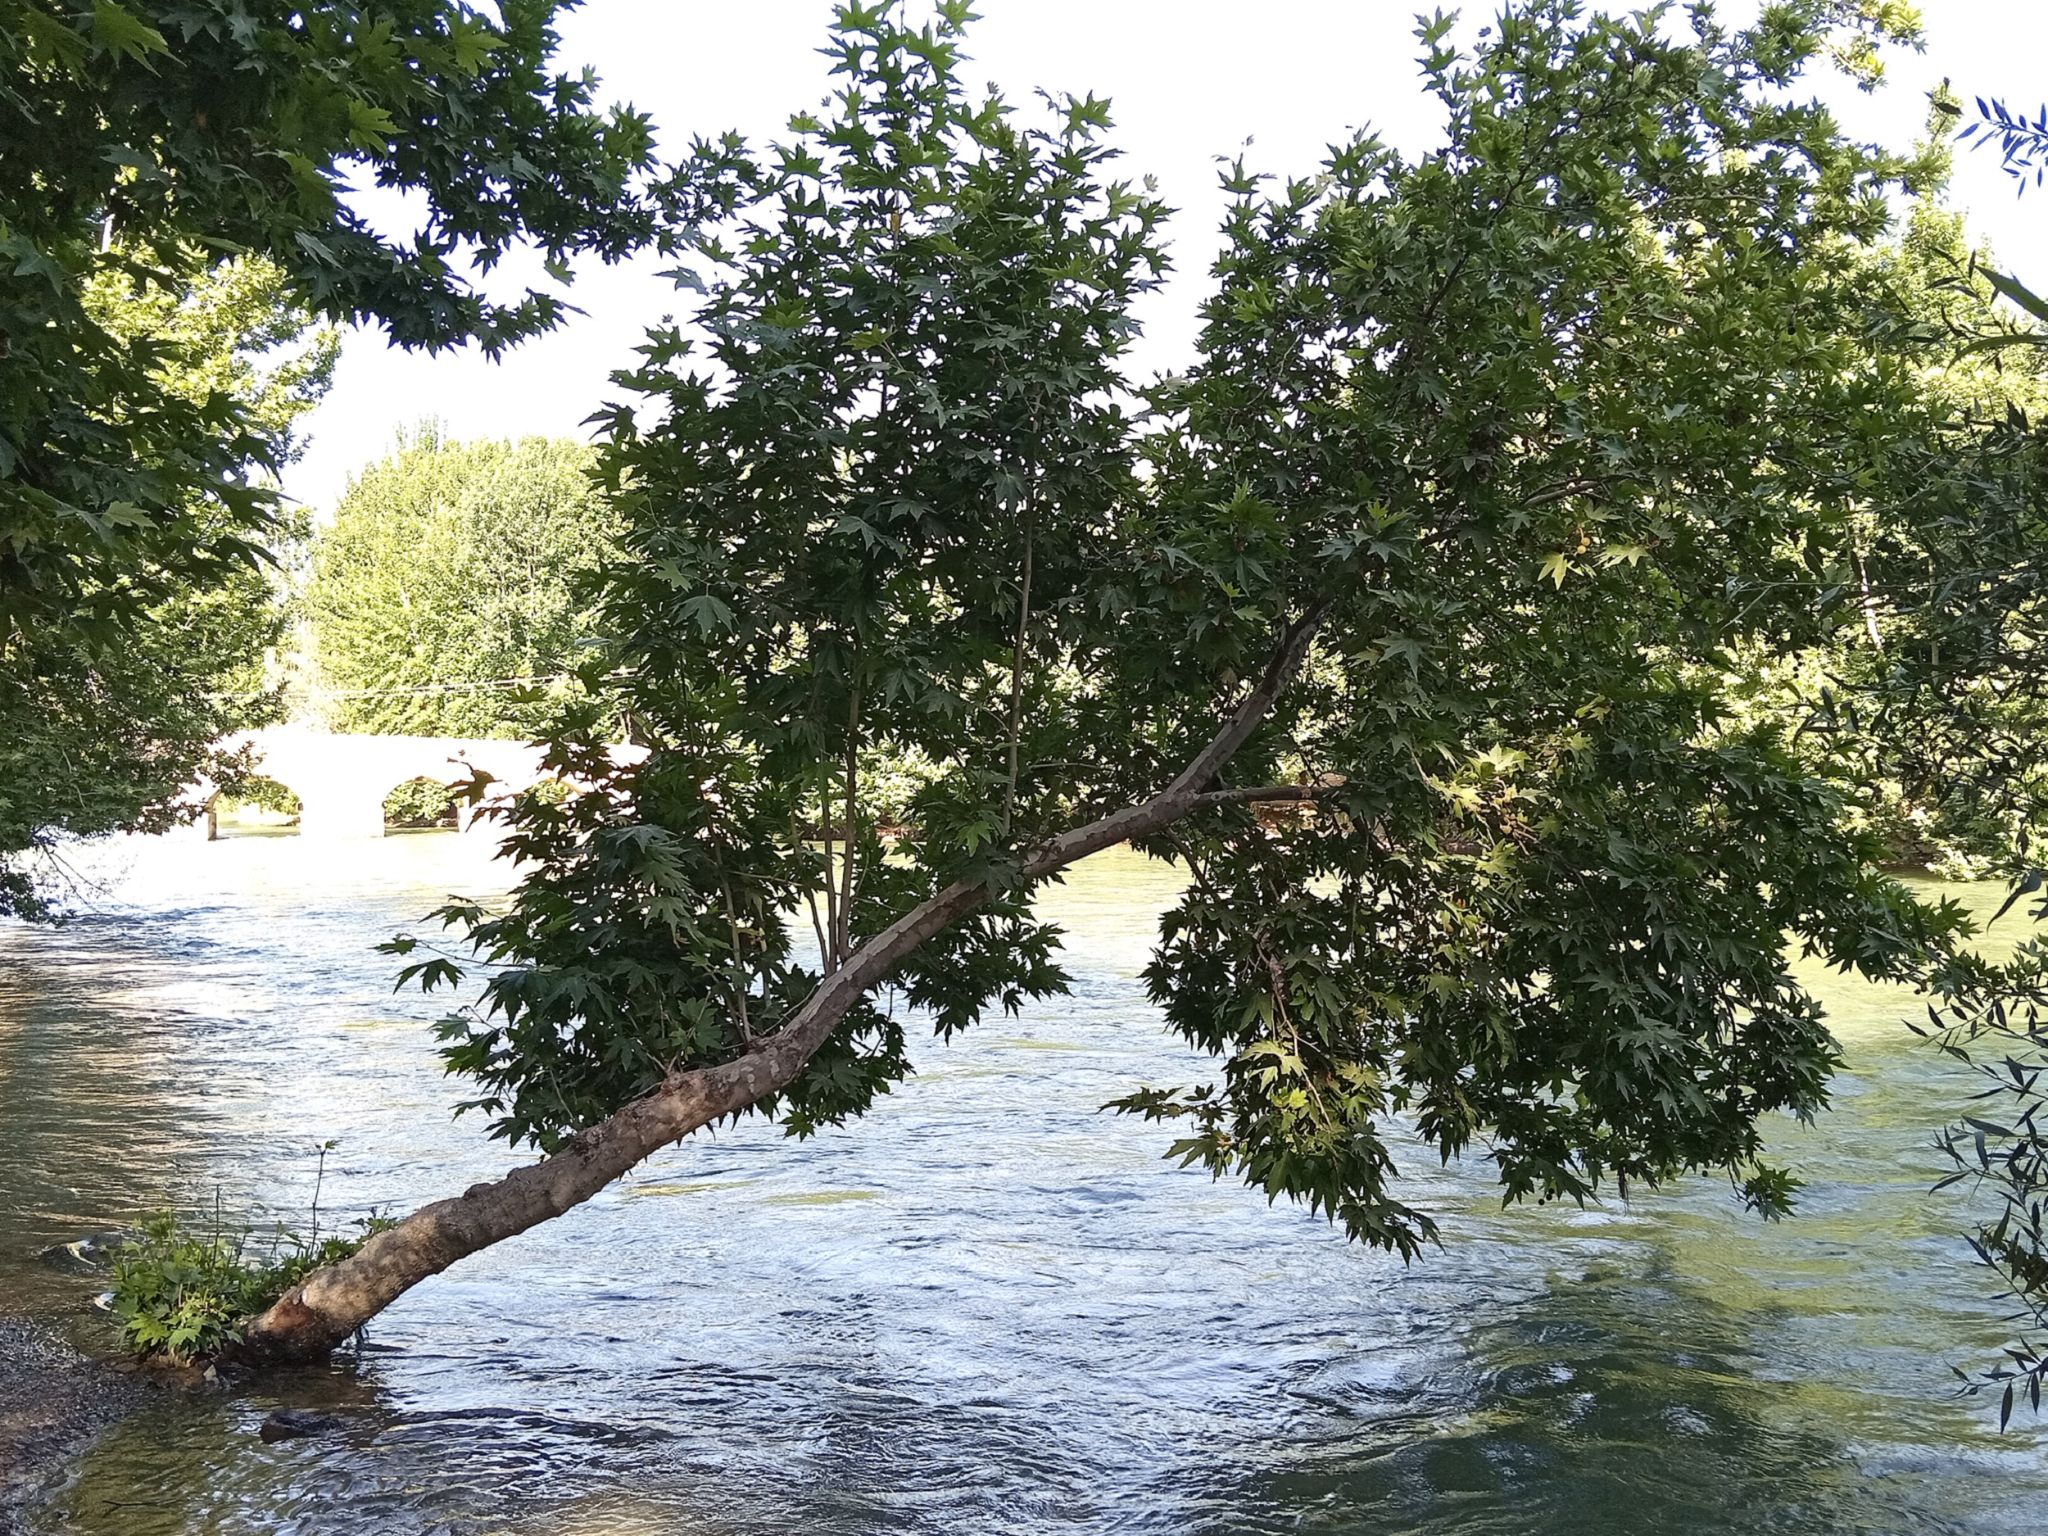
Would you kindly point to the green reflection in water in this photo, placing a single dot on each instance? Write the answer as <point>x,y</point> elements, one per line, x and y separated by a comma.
<point>990,1307</point>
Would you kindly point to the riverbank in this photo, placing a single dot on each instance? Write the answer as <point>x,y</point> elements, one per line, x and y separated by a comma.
<point>53,1400</point>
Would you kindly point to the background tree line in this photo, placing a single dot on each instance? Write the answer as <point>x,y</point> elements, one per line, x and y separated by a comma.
<point>152,151</point>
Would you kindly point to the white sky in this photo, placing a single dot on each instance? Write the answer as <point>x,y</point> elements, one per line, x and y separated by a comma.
<point>1188,79</point>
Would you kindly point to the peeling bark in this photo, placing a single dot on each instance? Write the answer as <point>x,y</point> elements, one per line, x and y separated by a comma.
<point>319,1314</point>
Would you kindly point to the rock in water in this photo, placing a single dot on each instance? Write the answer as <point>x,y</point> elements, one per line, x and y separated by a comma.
<point>95,1250</point>
<point>295,1424</point>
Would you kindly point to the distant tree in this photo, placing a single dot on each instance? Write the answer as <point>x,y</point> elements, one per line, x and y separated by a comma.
<point>1498,470</point>
<point>102,737</point>
<point>1919,787</point>
<point>446,587</point>
<point>143,145</point>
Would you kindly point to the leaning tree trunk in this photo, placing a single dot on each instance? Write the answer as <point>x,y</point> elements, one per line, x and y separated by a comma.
<point>323,1310</point>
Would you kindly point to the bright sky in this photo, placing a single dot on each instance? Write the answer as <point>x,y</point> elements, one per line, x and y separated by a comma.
<point>1189,80</point>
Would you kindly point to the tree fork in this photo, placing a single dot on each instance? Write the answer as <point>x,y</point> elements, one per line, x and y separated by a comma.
<point>321,1312</point>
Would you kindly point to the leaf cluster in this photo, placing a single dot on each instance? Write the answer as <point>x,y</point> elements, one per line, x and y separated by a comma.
<point>1528,448</point>
<point>183,1294</point>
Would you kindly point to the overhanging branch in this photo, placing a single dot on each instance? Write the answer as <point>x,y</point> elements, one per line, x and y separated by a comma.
<point>321,1312</point>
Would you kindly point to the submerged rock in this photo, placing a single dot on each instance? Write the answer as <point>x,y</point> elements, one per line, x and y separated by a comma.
<point>95,1250</point>
<point>296,1424</point>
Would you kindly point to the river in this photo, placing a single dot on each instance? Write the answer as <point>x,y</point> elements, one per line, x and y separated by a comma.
<point>988,1307</point>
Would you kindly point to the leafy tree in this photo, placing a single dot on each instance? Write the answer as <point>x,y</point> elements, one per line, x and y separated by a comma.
<point>97,738</point>
<point>147,144</point>
<point>1907,778</point>
<point>450,574</point>
<point>1976,609</point>
<point>1495,467</point>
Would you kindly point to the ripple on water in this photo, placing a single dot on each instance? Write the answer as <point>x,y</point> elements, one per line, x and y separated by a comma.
<point>989,1308</point>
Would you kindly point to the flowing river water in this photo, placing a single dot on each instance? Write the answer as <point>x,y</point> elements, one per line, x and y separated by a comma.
<point>988,1307</point>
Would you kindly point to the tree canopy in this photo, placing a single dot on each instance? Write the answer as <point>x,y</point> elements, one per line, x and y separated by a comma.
<point>145,145</point>
<point>1499,471</point>
<point>96,738</point>
<point>1916,777</point>
<point>445,592</point>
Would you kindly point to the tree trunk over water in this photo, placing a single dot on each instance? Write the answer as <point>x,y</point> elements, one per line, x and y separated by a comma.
<point>322,1311</point>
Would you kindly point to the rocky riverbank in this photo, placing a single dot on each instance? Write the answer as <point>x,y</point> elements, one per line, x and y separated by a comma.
<point>53,1400</point>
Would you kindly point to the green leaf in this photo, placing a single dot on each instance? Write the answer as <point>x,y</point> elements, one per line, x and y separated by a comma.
<point>119,30</point>
<point>370,127</point>
<point>2021,295</point>
<point>474,45</point>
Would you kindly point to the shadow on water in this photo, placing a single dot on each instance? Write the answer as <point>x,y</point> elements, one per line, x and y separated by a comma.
<point>1624,1402</point>
<point>989,1308</point>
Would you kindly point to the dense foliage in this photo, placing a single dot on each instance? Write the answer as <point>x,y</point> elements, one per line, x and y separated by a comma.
<point>96,738</point>
<point>1974,596</point>
<point>183,1292</point>
<point>1500,471</point>
<point>144,145</point>
<point>446,590</point>
<point>1919,787</point>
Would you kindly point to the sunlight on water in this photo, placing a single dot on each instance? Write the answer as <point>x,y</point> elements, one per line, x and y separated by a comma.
<point>987,1308</point>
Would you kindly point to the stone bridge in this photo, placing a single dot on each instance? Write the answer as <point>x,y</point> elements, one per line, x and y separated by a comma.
<point>341,781</point>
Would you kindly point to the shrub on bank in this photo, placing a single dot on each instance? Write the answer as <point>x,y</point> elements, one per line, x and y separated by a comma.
<point>183,1295</point>
<point>420,803</point>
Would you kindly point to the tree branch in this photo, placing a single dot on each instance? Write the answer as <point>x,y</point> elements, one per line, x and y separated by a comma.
<point>329,1305</point>
<point>1258,793</point>
<point>842,940</point>
<point>1017,654</point>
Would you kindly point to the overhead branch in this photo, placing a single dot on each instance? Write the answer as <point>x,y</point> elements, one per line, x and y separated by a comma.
<point>1254,794</point>
<point>324,1309</point>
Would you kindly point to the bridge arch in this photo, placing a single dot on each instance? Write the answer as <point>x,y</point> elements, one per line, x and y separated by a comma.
<point>277,807</point>
<point>341,781</point>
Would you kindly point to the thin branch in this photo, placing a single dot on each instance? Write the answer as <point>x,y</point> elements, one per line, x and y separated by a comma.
<point>1017,656</point>
<point>844,937</point>
<point>740,988</point>
<point>1256,793</point>
<point>818,927</point>
<point>829,950</point>
<point>1581,486</point>
<point>1869,603</point>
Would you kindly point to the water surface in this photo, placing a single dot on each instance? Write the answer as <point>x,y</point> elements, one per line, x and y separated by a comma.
<point>988,1307</point>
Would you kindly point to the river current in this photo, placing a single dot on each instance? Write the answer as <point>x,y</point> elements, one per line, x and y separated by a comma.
<point>988,1307</point>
